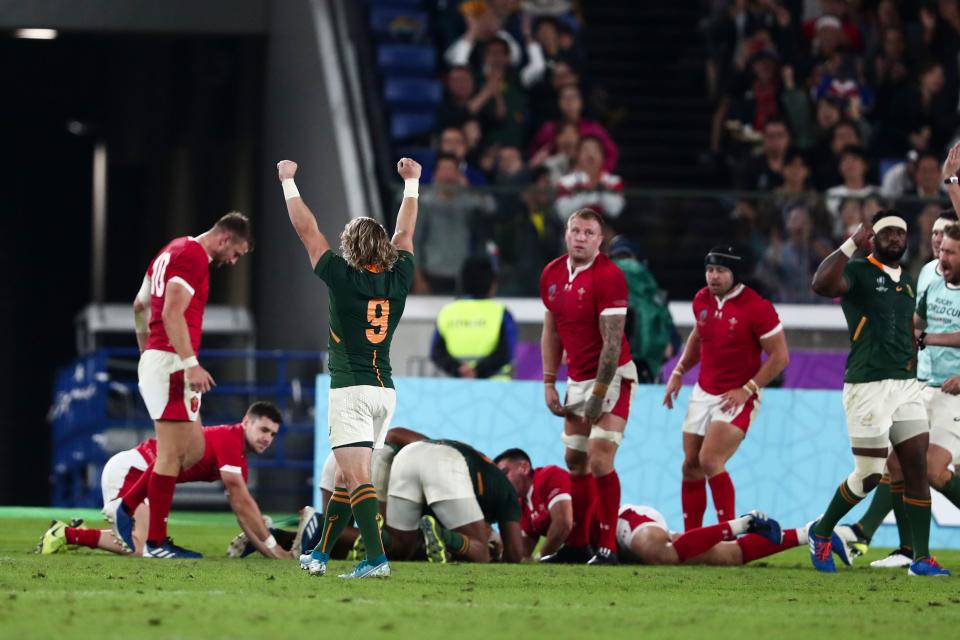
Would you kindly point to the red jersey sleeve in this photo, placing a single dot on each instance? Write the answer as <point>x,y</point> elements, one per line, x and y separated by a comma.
<point>544,276</point>
<point>227,447</point>
<point>611,291</point>
<point>187,268</point>
<point>764,318</point>
<point>556,485</point>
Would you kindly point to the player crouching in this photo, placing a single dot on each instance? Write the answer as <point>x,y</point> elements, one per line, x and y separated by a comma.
<point>126,476</point>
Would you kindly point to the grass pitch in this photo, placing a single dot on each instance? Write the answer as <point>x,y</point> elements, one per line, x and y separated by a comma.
<point>93,594</point>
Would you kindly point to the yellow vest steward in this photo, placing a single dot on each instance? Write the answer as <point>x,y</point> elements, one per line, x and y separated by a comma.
<point>471,330</point>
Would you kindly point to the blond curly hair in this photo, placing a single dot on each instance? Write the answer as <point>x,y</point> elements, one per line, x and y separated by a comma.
<point>364,243</point>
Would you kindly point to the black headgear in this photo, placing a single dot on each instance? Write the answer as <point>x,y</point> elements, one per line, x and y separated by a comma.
<point>724,256</point>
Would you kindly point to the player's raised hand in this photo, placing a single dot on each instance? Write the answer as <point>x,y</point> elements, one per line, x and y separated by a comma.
<point>673,390</point>
<point>863,235</point>
<point>952,164</point>
<point>286,169</point>
<point>199,379</point>
<point>407,168</point>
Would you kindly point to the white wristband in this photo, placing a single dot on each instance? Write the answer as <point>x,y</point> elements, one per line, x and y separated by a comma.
<point>849,247</point>
<point>289,188</point>
<point>270,542</point>
<point>411,188</point>
<point>190,362</point>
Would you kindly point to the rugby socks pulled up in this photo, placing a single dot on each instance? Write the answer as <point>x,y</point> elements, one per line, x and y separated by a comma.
<point>693,499</point>
<point>136,494</point>
<point>160,493</point>
<point>918,516</point>
<point>753,546</point>
<point>336,517</point>
<point>900,514</point>
<point>608,506</point>
<point>843,500</point>
<point>365,506</point>
<point>724,496</point>
<point>583,491</point>
<point>697,541</point>
<point>82,537</point>
<point>880,506</point>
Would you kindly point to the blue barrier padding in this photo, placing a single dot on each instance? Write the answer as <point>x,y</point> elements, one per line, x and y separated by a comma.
<point>793,459</point>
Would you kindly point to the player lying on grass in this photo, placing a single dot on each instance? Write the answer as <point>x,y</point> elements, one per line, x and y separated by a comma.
<point>224,458</point>
<point>643,537</point>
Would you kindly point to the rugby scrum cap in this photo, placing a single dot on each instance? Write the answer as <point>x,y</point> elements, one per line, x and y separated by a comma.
<point>724,256</point>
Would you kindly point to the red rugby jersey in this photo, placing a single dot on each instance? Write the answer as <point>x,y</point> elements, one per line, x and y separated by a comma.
<point>225,451</point>
<point>185,262</point>
<point>551,484</point>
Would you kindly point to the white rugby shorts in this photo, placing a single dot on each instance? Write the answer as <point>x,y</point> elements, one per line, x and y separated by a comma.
<point>164,389</point>
<point>943,411</point>
<point>361,413</point>
<point>635,518</point>
<point>871,408</point>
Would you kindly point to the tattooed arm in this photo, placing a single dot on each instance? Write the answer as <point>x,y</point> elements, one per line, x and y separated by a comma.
<point>611,328</point>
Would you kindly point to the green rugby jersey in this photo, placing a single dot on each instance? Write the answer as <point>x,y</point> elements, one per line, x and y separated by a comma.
<point>365,308</point>
<point>496,496</point>
<point>879,314</point>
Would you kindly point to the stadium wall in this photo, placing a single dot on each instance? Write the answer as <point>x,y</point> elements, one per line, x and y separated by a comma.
<point>790,464</point>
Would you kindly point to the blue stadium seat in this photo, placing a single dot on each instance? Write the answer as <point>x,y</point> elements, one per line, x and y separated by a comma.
<point>407,58</point>
<point>407,92</point>
<point>408,124</point>
<point>426,156</point>
<point>393,23</point>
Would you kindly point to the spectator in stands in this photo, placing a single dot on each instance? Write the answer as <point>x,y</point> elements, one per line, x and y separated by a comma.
<point>448,214</point>
<point>503,115</point>
<point>561,157</point>
<point>461,100</point>
<point>848,33</point>
<point>590,185</point>
<point>851,216</point>
<point>928,187</point>
<point>484,29</point>
<point>888,70</point>
<point>901,177</point>
<point>570,103</point>
<point>543,95</point>
<point>511,173</point>
<point>759,99</point>
<point>528,236</point>
<point>473,134</point>
<point>475,336</point>
<point>795,191</point>
<point>546,33</point>
<point>453,142</point>
<point>922,115</point>
<point>792,259</point>
<point>853,171</point>
<point>827,154</point>
<point>764,172</point>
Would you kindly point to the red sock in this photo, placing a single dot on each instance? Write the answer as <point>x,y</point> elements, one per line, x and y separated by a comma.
<point>697,541</point>
<point>693,499</point>
<point>608,504</point>
<point>721,486</point>
<point>136,494</point>
<point>83,537</point>
<point>583,490</point>
<point>754,547</point>
<point>161,498</point>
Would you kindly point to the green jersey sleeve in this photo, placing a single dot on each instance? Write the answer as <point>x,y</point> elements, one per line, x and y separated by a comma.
<point>851,273</point>
<point>404,268</point>
<point>331,268</point>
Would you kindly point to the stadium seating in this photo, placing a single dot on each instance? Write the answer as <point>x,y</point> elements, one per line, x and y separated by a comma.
<point>412,92</point>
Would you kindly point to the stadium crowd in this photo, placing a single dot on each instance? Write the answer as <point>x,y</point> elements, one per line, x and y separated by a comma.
<point>830,111</point>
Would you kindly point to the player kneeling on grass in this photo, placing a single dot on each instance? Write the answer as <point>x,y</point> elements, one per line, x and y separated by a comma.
<point>464,490</point>
<point>224,458</point>
<point>643,537</point>
<point>546,508</point>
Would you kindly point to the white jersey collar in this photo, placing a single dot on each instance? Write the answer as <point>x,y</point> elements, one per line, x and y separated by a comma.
<point>574,272</point>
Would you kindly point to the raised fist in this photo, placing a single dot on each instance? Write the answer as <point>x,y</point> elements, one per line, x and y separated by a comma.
<point>286,169</point>
<point>407,168</point>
